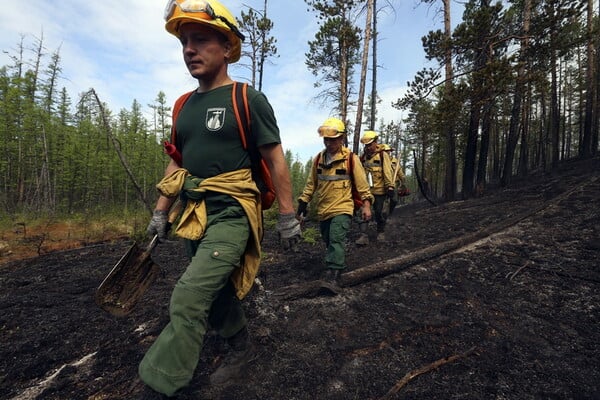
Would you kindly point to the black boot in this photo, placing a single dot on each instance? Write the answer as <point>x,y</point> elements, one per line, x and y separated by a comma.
<point>241,352</point>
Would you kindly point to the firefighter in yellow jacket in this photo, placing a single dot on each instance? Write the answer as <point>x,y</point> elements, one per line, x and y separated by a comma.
<point>397,176</point>
<point>378,167</point>
<point>331,179</point>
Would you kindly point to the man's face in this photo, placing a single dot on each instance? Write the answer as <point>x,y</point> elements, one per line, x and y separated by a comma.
<point>371,147</point>
<point>205,50</point>
<point>333,145</point>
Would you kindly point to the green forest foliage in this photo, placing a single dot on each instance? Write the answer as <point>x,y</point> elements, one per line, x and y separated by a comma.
<point>62,158</point>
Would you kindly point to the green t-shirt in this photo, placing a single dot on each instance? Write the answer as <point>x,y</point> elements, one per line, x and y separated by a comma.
<point>207,132</point>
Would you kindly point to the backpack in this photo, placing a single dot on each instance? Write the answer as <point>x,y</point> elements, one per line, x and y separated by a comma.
<point>260,171</point>
<point>358,202</point>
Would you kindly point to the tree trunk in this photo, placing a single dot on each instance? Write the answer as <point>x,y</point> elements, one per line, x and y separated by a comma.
<point>515,116</point>
<point>374,81</point>
<point>596,112</point>
<point>486,127</point>
<point>480,96</point>
<point>525,121</point>
<point>363,74</point>
<point>585,149</point>
<point>262,53</point>
<point>471,149</point>
<point>554,123</point>
<point>344,82</point>
<point>449,127</point>
<point>36,69</point>
<point>544,131</point>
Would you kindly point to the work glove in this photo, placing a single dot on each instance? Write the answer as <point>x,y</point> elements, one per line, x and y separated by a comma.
<point>301,213</point>
<point>158,225</point>
<point>289,231</point>
<point>390,193</point>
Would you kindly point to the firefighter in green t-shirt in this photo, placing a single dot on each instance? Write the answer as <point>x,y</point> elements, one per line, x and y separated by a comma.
<point>221,219</point>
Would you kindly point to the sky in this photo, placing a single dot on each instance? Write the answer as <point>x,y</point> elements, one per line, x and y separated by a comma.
<point>120,48</point>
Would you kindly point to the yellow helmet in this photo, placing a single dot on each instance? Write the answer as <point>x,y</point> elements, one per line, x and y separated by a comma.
<point>213,13</point>
<point>369,137</point>
<point>332,128</point>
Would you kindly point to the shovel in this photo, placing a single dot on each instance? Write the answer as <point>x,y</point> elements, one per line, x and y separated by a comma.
<point>128,280</point>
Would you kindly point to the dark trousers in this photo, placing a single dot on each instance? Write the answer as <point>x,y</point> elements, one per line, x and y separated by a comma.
<point>378,211</point>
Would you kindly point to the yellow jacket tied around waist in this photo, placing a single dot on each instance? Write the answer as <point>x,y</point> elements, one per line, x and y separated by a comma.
<point>237,184</point>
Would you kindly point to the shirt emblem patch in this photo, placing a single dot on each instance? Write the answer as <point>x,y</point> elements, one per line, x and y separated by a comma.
<point>215,117</point>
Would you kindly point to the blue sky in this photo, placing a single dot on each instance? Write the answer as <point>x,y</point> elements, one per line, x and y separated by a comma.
<point>120,48</point>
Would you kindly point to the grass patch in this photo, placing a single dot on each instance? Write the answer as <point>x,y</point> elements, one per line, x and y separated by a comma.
<point>311,235</point>
<point>25,236</point>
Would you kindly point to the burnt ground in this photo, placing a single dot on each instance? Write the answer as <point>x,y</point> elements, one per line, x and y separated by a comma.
<point>509,311</point>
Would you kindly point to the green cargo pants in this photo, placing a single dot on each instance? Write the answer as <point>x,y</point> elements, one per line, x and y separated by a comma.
<point>204,294</point>
<point>334,231</point>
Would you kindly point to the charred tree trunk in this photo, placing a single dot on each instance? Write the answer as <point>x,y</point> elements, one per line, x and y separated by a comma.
<point>554,123</point>
<point>486,127</point>
<point>525,118</point>
<point>450,171</point>
<point>585,149</point>
<point>515,116</point>
<point>471,149</point>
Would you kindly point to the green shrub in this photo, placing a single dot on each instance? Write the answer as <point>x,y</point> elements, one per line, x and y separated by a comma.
<point>311,235</point>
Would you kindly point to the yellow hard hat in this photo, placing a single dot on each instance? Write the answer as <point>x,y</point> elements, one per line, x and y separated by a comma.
<point>332,128</point>
<point>369,137</point>
<point>212,13</point>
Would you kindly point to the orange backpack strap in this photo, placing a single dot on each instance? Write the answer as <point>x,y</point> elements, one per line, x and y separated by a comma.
<point>176,109</point>
<point>170,148</point>
<point>260,170</point>
<point>241,111</point>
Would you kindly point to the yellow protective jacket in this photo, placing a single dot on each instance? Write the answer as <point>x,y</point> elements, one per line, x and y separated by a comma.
<point>239,185</point>
<point>379,167</point>
<point>331,181</point>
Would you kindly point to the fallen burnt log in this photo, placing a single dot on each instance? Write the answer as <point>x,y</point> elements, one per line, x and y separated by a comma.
<point>397,264</point>
<point>389,266</point>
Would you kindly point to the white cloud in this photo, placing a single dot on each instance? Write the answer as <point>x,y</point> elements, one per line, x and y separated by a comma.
<point>390,94</point>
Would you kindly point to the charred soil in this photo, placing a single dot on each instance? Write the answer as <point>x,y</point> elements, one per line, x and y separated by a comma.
<point>491,298</point>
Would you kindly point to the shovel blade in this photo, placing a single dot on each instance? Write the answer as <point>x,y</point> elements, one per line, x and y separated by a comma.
<point>126,283</point>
